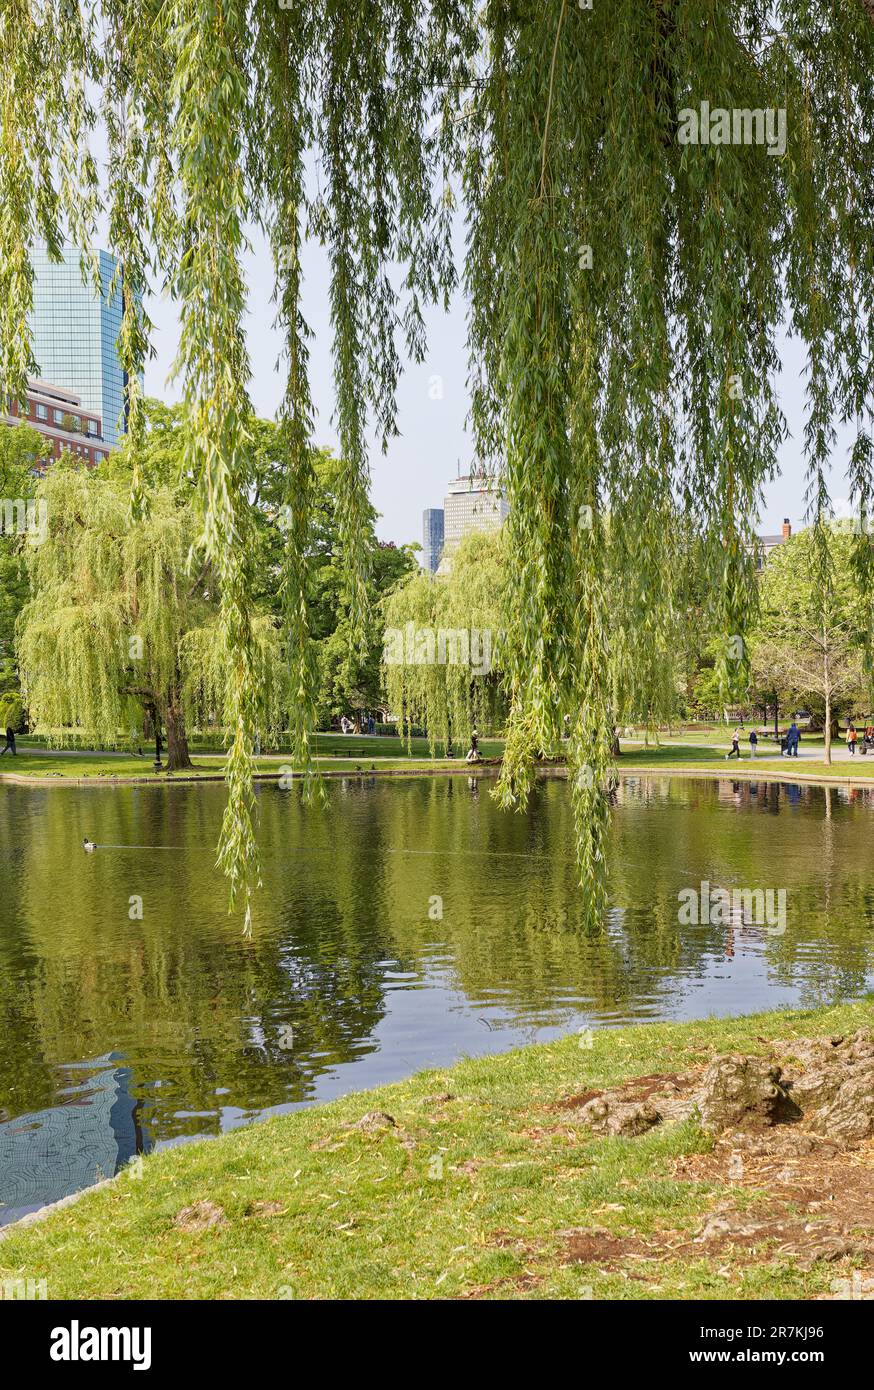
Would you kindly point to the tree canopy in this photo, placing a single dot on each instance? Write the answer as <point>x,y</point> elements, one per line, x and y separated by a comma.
<point>810,639</point>
<point>626,286</point>
<point>20,448</point>
<point>117,621</point>
<point>442,642</point>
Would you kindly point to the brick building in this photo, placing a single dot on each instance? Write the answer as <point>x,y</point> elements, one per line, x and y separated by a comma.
<point>59,417</point>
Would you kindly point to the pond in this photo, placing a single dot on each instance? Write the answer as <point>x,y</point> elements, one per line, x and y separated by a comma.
<point>410,923</point>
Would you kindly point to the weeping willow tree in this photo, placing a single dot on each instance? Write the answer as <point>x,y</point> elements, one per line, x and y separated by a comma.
<point>635,243</point>
<point>442,643</point>
<point>118,625</point>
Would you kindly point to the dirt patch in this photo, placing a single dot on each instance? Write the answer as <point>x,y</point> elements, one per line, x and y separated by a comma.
<point>200,1216</point>
<point>792,1162</point>
<point>575,1102</point>
<point>820,1199</point>
<point>266,1209</point>
<point>374,1121</point>
<point>597,1247</point>
<point>521,1284</point>
<point>442,1099</point>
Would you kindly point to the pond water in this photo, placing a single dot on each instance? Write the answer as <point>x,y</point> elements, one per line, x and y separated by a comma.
<point>410,923</point>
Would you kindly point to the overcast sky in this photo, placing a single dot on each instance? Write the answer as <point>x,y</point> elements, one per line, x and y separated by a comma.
<point>433,446</point>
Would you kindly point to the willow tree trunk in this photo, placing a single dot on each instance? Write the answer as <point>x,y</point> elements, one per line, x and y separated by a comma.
<point>827,689</point>
<point>178,757</point>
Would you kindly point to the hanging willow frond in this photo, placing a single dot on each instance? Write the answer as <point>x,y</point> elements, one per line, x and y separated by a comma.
<point>626,292</point>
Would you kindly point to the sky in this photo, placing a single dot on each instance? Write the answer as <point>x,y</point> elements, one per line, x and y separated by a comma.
<point>433,446</point>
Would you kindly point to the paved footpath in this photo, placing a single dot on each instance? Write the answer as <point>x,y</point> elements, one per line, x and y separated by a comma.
<point>767,748</point>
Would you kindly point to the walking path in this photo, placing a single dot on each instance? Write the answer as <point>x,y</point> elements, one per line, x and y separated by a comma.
<point>766,749</point>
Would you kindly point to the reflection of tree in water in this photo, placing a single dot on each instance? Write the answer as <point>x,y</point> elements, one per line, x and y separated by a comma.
<point>222,1022</point>
<point>815,852</point>
<point>180,994</point>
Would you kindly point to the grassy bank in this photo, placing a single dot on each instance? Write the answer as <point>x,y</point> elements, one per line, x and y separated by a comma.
<point>34,762</point>
<point>483,1187</point>
<point>332,753</point>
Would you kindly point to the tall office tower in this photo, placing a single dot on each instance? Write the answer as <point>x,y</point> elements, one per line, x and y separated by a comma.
<point>432,537</point>
<point>473,504</point>
<point>75,332</point>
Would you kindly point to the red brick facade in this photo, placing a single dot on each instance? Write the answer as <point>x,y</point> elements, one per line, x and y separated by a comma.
<point>58,416</point>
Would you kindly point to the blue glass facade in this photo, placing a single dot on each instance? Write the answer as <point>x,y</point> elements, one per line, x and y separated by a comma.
<point>74,334</point>
<point>432,537</point>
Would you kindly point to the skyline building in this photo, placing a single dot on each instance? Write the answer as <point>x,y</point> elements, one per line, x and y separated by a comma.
<point>432,537</point>
<point>75,333</point>
<point>472,504</point>
<point>58,416</point>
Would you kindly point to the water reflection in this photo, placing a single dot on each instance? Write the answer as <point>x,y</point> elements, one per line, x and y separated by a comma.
<point>408,924</point>
<point>90,1133</point>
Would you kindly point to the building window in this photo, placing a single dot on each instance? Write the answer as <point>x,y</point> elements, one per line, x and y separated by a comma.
<point>42,412</point>
<point>58,416</point>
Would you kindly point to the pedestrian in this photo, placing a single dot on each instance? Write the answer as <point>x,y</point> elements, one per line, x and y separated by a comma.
<point>754,739</point>
<point>735,746</point>
<point>851,739</point>
<point>473,752</point>
<point>793,738</point>
<point>9,746</point>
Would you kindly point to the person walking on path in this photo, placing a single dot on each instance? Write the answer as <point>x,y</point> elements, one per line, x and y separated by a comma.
<point>9,746</point>
<point>735,746</point>
<point>754,739</point>
<point>793,738</point>
<point>851,739</point>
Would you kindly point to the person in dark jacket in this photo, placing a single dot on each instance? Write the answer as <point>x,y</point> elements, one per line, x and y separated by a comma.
<point>754,739</point>
<point>793,738</point>
<point>9,746</point>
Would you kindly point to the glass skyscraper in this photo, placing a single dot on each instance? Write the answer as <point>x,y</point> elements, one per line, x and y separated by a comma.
<point>432,537</point>
<point>74,334</point>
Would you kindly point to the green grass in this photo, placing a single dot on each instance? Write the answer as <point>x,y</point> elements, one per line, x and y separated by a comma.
<point>54,765</point>
<point>358,1215</point>
<point>334,753</point>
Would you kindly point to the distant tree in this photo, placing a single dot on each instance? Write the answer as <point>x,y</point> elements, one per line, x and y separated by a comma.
<point>21,447</point>
<point>808,637</point>
<point>343,674</point>
<point>442,642</point>
<point>118,626</point>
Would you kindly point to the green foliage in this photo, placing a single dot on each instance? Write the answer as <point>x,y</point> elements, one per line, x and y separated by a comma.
<point>810,641</point>
<point>606,385</point>
<point>20,448</point>
<point>119,622</point>
<point>453,687</point>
